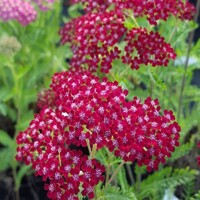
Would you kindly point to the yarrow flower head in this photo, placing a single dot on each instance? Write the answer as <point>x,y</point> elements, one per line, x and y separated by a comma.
<point>44,145</point>
<point>94,41</point>
<point>95,36</point>
<point>154,10</point>
<point>21,10</point>
<point>94,114</point>
<point>151,49</point>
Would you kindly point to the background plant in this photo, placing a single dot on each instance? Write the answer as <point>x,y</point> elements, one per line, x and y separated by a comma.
<point>25,55</point>
<point>156,82</point>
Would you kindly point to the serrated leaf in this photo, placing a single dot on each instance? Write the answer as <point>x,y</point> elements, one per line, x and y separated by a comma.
<point>24,121</point>
<point>115,193</point>
<point>5,139</point>
<point>3,109</point>
<point>122,180</point>
<point>7,158</point>
<point>182,150</point>
<point>165,178</point>
<point>74,10</point>
<point>129,23</point>
<point>22,71</point>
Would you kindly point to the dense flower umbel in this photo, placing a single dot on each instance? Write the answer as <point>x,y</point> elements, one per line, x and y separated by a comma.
<point>151,49</point>
<point>45,145</point>
<point>93,114</point>
<point>154,10</point>
<point>94,39</point>
<point>19,10</point>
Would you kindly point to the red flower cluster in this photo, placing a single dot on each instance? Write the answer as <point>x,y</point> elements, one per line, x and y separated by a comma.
<point>154,10</point>
<point>93,114</point>
<point>22,11</point>
<point>94,38</point>
<point>45,145</point>
<point>151,49</point>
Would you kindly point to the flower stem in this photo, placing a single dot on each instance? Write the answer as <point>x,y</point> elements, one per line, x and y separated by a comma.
<point>93,152</point>
<point>130,174</point>
<point>191,36</point>
<point>114,174</point>
<point>173,32</point>
<point>88,146</point>
<point>125,71</point>
<point>14,172</point>
<point>135,21</point>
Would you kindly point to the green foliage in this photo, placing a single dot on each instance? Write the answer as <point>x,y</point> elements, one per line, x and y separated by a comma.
<point>181,151</point>
<point>5,139</point>
<point>6,157</point>
<point>7,152</point>
<point>122,180</point>
<point>28,58</point>
<point>30,55</point>
<point>188,189</point>
<point>154,185</point>
<point>74,10</point>
<point>196,196</point>
<point>112,192</point>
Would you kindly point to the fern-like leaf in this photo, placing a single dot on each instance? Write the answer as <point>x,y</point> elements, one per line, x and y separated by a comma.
<point>182,150</point>
<point>165,178</point>
<point>115,193</point>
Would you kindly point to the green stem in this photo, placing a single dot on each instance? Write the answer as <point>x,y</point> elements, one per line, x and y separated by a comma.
<point>94,149</point>
<point>14,172</point>
<point>108,168</point>
<point>191,36</point>
<point>125,71</point>
<point>88,146</point>
<point>152,83</point>
<point>137,25</point>
<point>138,181</point>
<point>130,174</point>
<point>114,174</point>
<point>133,18</point>
<point>173,32</point>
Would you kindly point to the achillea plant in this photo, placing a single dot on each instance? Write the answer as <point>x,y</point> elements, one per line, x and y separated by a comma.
<point>154,10</point>
<point>80,110</point>
<point>93,114</point>
<point>22,11</point>
<point>94,37</point>
<point>19,10</point>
